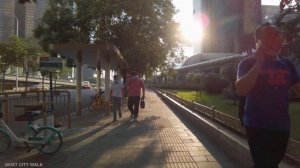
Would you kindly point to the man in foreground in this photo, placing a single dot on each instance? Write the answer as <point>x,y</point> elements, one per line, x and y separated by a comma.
<point>265,79</point>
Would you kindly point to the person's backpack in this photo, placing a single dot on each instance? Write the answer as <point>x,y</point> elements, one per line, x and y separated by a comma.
<point>242,102</point>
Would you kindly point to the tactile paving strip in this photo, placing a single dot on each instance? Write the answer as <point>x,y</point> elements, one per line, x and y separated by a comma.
<point>175,152</point>
<point>179,159</point>
<point>181,165</point>
<point>178,154</point>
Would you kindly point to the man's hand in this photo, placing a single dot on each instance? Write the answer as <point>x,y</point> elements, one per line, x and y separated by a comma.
<point>259,54</point>
<point>143,96</point>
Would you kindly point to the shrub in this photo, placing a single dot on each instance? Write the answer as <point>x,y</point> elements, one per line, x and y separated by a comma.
<point>214,83</point>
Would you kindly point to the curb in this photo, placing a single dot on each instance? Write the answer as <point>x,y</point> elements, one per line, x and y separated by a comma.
<point>232,144</point>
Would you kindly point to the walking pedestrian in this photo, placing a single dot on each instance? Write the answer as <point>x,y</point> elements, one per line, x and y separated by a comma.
<point>134,86</point>
<point>116,94</point>
<point>265,79</point>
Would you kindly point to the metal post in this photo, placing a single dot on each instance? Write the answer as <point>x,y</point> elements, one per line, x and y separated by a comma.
<point>51,92</point>
<point>17,70</point>
<point>213,112</point>
<point>107,87</point>
<point>98,72</point>
<point>78,81</point>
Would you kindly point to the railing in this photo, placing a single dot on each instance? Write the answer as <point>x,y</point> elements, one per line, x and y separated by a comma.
<point>34,77</point>
<point>61,103</point>
<point>293,149</point>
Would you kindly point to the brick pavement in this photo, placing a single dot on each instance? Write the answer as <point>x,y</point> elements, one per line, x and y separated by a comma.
<point>159,139</point>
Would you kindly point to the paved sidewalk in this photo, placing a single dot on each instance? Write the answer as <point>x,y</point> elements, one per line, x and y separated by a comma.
<point>158,139</point>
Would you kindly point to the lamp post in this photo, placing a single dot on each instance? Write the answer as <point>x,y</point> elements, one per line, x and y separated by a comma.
<point>17,70</point>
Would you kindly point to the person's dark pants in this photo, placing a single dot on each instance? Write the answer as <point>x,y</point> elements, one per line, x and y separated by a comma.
<point>267,147</point>
<point>133,105</point>
<point>116,106</point>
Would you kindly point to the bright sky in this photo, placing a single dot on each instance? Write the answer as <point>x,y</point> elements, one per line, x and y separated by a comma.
<point>270,2</point>
<point>185,18</point>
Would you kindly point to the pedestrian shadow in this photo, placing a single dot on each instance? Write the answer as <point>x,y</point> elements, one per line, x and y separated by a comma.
<point>104,145</point>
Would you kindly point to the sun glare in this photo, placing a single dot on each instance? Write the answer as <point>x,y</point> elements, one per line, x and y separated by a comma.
<point>192,31</point>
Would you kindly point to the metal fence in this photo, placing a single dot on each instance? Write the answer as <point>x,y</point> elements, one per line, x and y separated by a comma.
<point>61,104</point>
<point>293,149</point>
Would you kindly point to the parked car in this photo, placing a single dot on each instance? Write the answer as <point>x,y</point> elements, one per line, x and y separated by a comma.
<point>86,85</point>
<point>37,87</point>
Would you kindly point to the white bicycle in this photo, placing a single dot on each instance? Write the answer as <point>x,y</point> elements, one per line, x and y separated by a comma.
<point>47,139</point>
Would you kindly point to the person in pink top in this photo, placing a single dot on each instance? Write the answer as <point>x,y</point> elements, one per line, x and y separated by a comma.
<point>134,86</point>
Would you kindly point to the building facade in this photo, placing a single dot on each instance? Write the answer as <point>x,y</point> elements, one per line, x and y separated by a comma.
<point>228,24</point>
<point>7,11</point>
<point>17,19</point>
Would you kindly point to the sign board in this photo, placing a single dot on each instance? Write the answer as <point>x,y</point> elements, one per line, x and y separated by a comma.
<point>51,64</point>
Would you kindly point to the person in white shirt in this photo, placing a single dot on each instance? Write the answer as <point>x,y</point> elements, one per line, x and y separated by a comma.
<point>116,94</point>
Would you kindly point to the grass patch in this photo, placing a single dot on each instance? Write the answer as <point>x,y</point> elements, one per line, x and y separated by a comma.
<point>219,102</point>
<point>228,107</point>
<point>294,110</point>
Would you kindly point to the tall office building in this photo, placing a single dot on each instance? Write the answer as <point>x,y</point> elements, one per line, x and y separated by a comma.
<point>29,15</point>
<point>25,16</point>
<point>7,10</point>
<point>251,18</point>
<point>225,23</point>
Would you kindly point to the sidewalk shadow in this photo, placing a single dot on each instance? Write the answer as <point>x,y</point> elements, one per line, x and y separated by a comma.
<point>97,145</point>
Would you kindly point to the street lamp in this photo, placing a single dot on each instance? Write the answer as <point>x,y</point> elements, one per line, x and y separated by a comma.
<point>17,70</point>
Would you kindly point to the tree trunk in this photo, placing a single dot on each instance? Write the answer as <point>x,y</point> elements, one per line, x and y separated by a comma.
<point>26,80</point>
<point>3,81</point>
<point>55,81</point>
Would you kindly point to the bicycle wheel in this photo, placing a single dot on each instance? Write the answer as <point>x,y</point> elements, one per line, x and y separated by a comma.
<point>52,138</point>
<point>5,141</point>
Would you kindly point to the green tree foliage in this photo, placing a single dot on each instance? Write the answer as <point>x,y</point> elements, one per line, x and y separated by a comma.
<point>143,30</point>
<point>31,59</point>
<point>230,73</point>
<point>57,24</point>
<point>289,3</point>
<point>26,1</point>
<point>19,49</point>
<point>65,72</point>
<point>19,52</point>
<point>215,83</point>
<point>189,76</point>
<point>6,59</point>
<point>11,53</point>
<point>289,22</point>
